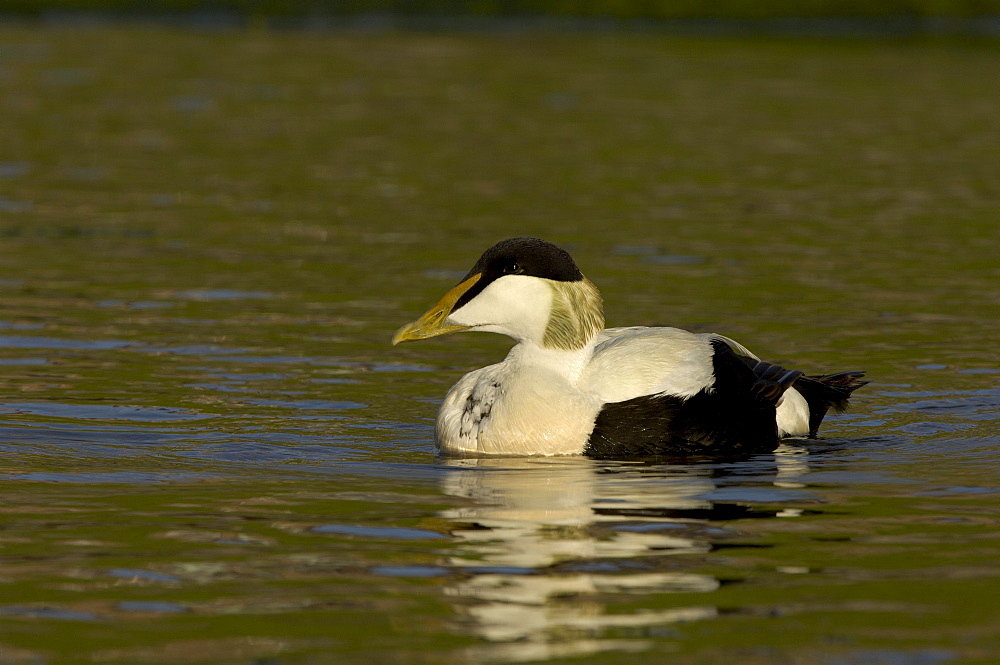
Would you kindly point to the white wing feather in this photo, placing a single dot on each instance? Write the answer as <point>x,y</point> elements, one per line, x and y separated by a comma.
<point>632,362</point>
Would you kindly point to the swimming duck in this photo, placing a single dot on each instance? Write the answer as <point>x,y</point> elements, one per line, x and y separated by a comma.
<point>570,386</point>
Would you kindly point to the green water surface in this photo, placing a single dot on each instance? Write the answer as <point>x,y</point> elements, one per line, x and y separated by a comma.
<point>209,453</point>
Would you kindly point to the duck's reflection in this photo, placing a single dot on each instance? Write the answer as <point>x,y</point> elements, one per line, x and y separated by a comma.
<point>551,545</point>
<point>792,462</point>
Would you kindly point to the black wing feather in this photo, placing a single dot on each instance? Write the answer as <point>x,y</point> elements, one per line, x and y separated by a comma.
<point>735,414</point>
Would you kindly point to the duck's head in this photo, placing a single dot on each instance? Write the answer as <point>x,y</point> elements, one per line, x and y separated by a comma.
<point>525,288</point>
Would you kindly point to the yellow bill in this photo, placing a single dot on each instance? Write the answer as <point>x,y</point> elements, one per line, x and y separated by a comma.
<point>432,323</point>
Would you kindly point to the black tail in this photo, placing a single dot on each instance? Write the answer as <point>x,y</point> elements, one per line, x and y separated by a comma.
<point>825,392</point>
<point>822,393</point>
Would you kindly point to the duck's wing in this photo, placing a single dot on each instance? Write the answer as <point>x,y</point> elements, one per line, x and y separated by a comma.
<point>772,380</point>
<point>733,412</point>
<point>819,393</point>
<point>632,362</point>
<point>636,361</point>
<point>737,348</point>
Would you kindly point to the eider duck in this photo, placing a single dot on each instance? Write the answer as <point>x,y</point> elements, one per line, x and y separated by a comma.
<point>569,386</point>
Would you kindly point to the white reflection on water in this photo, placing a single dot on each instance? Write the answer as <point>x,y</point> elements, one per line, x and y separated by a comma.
<point>549,543</point>
<point>792,463</point>
<point>537,512</point>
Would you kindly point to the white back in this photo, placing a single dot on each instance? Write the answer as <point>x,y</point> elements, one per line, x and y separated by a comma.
<point>631,362</point>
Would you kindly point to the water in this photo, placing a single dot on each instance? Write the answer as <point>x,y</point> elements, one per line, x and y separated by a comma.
<point>211,454</point>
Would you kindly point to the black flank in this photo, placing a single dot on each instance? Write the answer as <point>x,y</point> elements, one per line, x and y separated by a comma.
<point>736,415</point>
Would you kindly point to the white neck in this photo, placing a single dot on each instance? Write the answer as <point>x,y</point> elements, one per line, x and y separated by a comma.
<point>568,364</point>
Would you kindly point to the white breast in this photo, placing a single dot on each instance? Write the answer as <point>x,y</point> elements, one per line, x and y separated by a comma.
<point>507,409</point>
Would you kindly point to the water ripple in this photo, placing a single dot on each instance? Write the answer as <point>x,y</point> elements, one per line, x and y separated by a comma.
<point>102,411</point>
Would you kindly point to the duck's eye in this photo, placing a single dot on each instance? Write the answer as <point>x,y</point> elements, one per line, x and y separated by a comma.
<point>513,268</point>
